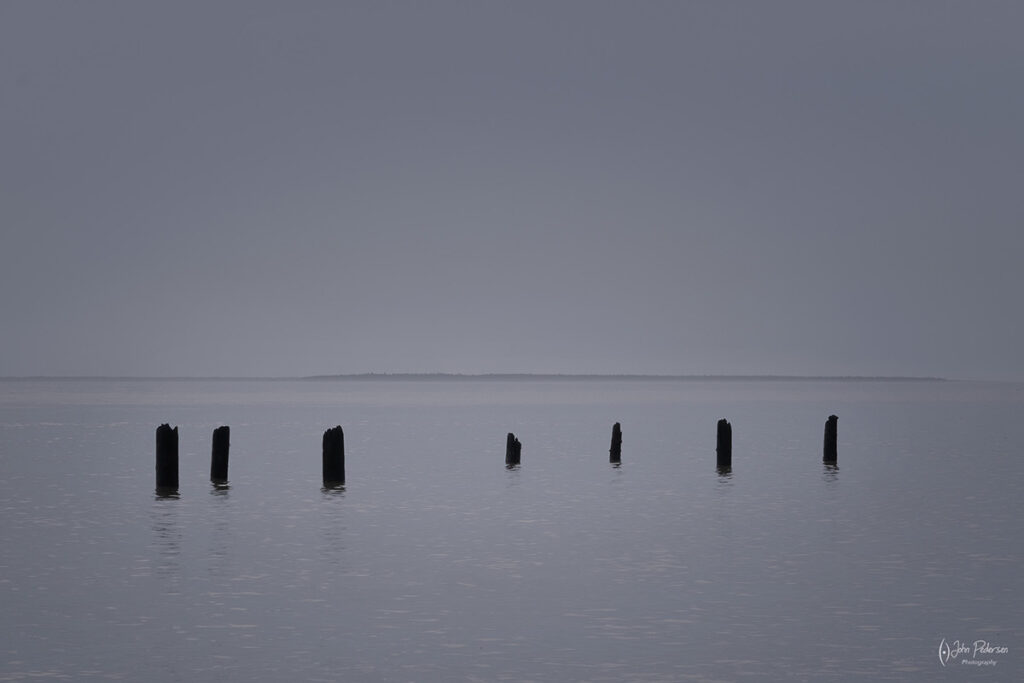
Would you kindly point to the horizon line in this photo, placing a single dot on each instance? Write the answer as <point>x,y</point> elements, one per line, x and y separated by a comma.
<point>494,376</point>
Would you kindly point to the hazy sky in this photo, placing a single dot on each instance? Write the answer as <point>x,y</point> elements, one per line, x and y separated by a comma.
<point>292,188</point>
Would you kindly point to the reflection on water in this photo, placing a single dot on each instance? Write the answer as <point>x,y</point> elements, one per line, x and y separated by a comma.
<point>830,473</point>
<point>513,476</point>
<point>332,525</point>
<point>220,547</point>
<point>167,539</point>
<point>724,481</point>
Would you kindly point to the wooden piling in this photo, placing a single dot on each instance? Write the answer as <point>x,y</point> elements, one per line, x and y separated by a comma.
<point>334,457</point>
<point>166,459</point>
<point>219,455</point>
<point>513,450</point>
<point>831,453</point>
<point>724,445</point>
<point>615,453</point>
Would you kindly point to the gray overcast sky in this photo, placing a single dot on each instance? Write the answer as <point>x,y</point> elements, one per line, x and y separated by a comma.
<point>291,188</point>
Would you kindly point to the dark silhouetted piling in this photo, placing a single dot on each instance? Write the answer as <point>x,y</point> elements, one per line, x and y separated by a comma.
<point>513,450</point>
<point>724,447</point>
<point>334,457</point>
<point>615,453</point>
<point>219,455</point>
<point>166,459</point>
<point>831,453</point>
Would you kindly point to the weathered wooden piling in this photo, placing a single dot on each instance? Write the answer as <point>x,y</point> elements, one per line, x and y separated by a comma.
<point>615,452</point>
<point>166,459</point>
<point>219,455</point>
<point>513,450</point>
<point>831,453</point>
<point>334,457</point>
<point>724,445</point>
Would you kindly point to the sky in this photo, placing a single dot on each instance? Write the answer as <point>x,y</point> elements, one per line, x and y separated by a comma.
<point>295,188</point>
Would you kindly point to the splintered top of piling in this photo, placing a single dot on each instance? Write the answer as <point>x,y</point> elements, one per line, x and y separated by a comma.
<point>334,437</point>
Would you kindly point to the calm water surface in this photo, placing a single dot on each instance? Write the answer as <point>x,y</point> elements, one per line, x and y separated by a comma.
<point>436,563</point>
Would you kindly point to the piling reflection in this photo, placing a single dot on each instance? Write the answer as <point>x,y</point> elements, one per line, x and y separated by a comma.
<point>220,548</point>
<point>333,532</point>
<point>514,476</point>
<point>724,480</point>
<point>830,473</point>
<point>167,538</point>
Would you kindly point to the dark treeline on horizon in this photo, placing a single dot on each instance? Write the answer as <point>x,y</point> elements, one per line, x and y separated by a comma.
<point>612,376</point>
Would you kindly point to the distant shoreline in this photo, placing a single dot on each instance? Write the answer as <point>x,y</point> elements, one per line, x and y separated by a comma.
<point>599,377</point>
<point>492,377</point>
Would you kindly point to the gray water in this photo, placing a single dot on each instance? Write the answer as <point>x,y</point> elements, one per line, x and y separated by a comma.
<point>436,563</point>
